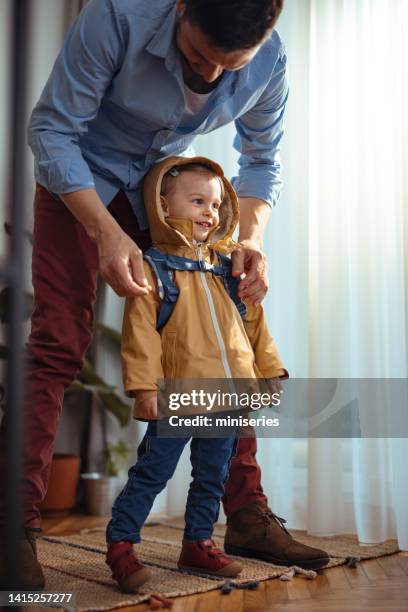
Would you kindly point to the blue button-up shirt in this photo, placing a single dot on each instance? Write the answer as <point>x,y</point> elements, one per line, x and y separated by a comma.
<point>113,103</point>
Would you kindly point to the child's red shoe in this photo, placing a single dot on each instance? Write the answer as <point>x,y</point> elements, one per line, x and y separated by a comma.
<point>127,570</point>
<point>205,557</point>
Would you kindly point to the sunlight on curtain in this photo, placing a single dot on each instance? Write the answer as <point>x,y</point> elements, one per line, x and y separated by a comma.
<point>357,202</point>
<point>357,189</point>
<point>337,245</point>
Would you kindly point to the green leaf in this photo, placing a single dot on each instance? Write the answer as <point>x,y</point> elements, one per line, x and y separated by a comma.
<point>109,332</point>
<point>78,386</point>
<point>116,456</point>
<point>116,406</point>
<point>112,401</point>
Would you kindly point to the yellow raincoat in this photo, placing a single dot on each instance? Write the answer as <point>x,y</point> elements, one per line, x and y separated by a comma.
<point>205,336</point>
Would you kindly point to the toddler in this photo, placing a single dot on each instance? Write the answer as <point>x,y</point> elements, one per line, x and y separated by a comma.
<point>191,325</point>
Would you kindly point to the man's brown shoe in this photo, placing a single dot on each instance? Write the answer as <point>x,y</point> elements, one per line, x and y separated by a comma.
<point>31,574</point>
<point>256,532</point>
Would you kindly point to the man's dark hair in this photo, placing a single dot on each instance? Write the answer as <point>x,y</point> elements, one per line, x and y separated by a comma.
<point>233,24</point>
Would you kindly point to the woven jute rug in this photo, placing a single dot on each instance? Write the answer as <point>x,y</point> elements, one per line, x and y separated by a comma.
<point>76,564</point>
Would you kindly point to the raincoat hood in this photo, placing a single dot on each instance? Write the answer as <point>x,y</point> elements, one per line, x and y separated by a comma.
<point>170,232</point>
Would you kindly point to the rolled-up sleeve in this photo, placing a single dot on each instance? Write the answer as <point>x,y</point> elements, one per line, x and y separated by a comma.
<point>259,133</point>
<point>91,55</point>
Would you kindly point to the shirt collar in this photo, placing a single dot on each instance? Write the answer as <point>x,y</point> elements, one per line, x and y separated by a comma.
<point>163,39</point>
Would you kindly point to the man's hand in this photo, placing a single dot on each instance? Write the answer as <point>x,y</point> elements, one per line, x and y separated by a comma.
<point>121,264</point>
<point>250,260</point>
<point>120,259</point>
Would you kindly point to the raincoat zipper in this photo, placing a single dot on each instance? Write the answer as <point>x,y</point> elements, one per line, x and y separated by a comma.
<point>214,318</point>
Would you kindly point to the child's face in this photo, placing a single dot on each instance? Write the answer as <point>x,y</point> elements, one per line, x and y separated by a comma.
<point>196,196</point>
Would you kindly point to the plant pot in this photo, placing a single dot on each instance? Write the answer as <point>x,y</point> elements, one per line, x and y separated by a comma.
<point>100,492</point>
<point>61,495</point>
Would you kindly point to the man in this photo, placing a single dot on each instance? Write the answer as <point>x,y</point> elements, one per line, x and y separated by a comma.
<point>135,82</point>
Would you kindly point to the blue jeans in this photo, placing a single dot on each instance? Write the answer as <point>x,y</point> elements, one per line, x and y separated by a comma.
<point>157,461</point>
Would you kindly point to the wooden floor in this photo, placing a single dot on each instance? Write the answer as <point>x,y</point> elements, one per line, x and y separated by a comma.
<point>377,585</point>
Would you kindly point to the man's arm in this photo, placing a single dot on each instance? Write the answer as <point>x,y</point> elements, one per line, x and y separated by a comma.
<point>259,133</point>
<point>91,55</point>
<point>254,215</point>
<point>120,259</point>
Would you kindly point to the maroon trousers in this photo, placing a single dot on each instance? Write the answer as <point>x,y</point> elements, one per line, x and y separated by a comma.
<point>64,274</point>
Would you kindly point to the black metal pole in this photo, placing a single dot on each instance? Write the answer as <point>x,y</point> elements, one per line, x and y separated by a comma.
<point>15,369</point>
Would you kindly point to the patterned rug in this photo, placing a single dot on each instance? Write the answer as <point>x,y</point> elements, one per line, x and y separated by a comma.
<point>76,564</point>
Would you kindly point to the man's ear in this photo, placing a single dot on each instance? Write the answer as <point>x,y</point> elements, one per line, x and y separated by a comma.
<point>164,206</point>
<point>180,7</point>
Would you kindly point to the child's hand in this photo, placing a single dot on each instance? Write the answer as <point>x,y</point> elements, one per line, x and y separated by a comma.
<point>149,408</point>
<point>274,385</point>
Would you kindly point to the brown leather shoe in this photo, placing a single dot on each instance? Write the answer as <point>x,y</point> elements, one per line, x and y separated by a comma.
<point>31,574</point>
<point>256,532</point>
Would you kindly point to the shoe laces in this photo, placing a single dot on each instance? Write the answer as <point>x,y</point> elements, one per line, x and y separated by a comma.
<point>268,516</point>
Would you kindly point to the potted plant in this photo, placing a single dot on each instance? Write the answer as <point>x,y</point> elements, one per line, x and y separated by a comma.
<point>101,489</point>
<point>61,494</point>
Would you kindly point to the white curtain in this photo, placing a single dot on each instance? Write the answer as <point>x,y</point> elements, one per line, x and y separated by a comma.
<point>338,250</point>
<point>337,244</point>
